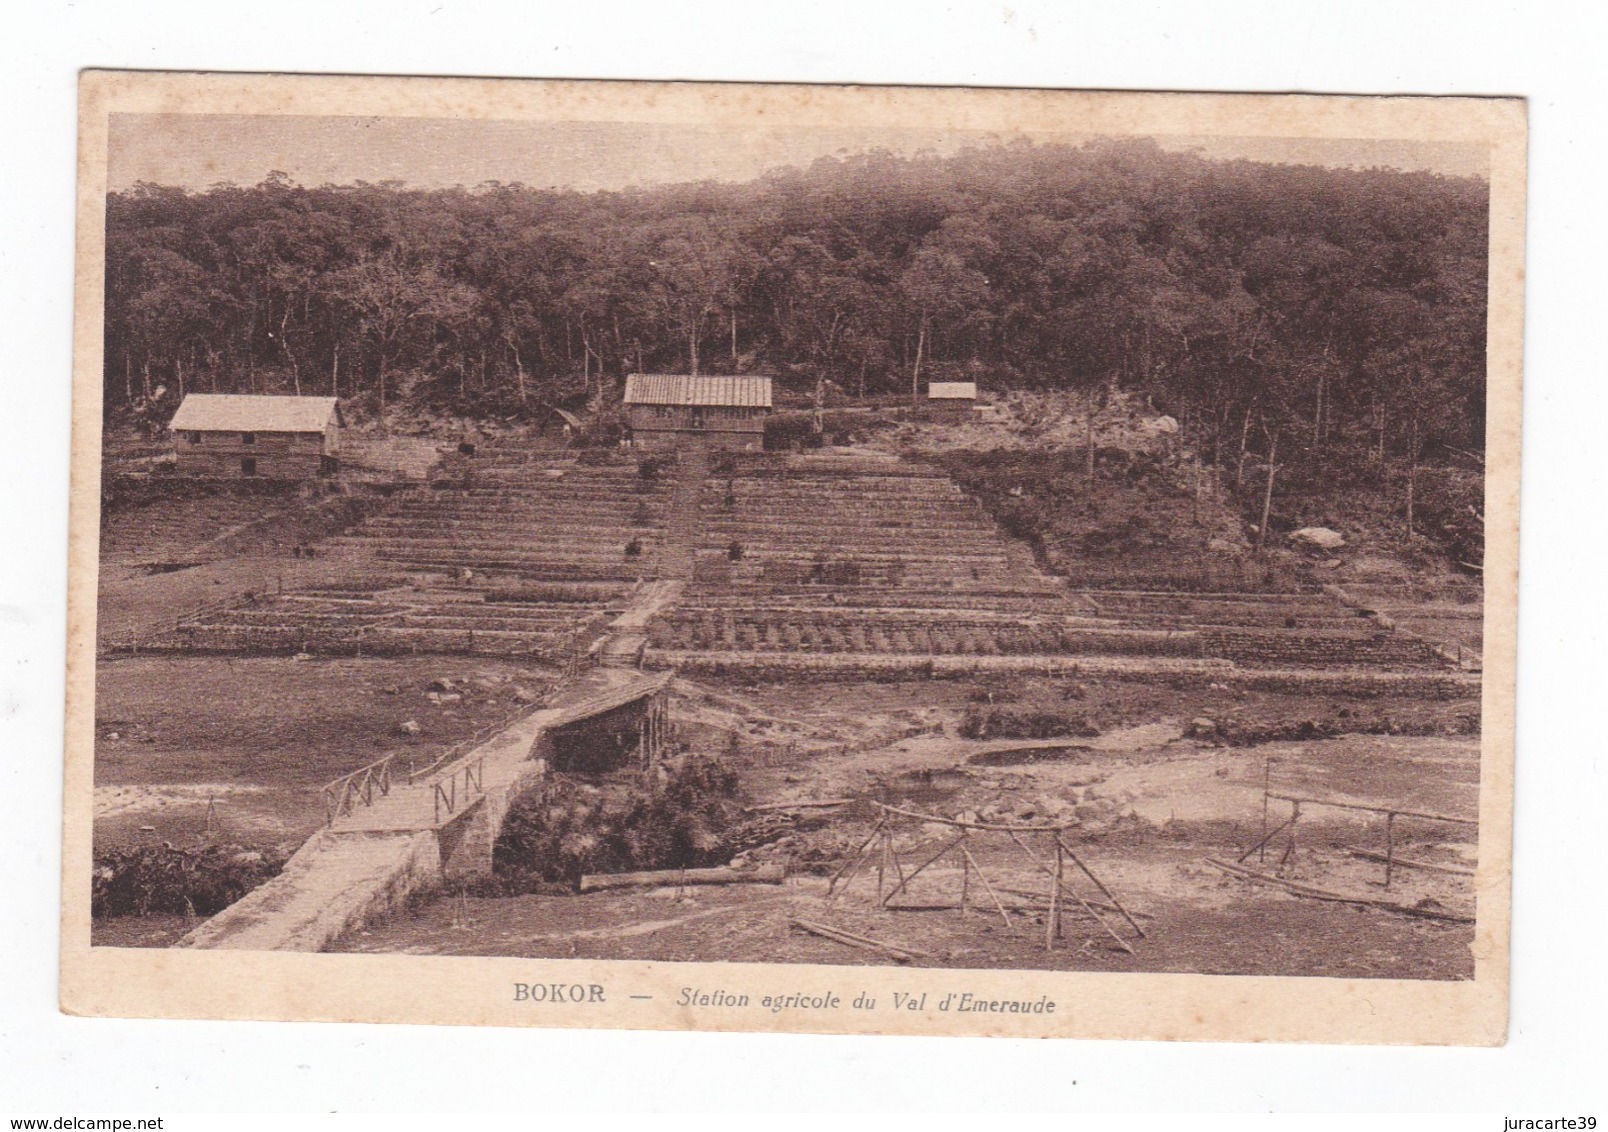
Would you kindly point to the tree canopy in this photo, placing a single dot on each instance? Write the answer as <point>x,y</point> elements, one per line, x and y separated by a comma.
<point>1245,298</point>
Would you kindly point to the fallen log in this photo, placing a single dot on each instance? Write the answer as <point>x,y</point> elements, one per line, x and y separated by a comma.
<point>826,804</point>
<point>1335,897</point>
<point>864,943</point>
<point>672,878</point>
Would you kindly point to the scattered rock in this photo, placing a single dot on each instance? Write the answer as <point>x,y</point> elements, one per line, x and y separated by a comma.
<point>441,684</point>
<point>302,656</point>
<point>1202,728</point>
<point>114,735</point>
<point>1321,537</point>
<point>449,698</point>
<point>523,695</point>
<point>410,727</point>
<point>390,690</point>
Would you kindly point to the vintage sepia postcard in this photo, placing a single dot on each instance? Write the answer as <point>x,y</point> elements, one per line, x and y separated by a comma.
<point>840,559</point>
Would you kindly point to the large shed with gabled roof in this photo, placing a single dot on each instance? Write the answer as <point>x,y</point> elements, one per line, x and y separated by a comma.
<point>233,435</point>
<point>666,409</point>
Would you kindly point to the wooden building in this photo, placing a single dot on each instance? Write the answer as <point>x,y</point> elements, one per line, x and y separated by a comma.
<point>952,397</point>
<point>665,410</point>
<point>228,435</point>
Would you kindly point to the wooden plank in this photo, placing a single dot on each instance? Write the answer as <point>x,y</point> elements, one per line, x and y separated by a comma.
<point>1372,809</point>
<point>864,943</point>
<point>958,824</point>
<point>764,874</point>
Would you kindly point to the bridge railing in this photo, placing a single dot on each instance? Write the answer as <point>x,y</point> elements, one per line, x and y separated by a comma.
<point>448,795</point>
<point>359,788</point>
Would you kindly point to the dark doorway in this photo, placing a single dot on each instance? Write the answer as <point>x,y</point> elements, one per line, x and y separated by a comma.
<point>248,465</point>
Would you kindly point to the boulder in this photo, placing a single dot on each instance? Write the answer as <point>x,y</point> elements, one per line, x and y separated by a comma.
<point>523,695</point>
<point>410,727</point>
<point>1320,537</point>
<point>441,684</point>
<point>1201,727</point>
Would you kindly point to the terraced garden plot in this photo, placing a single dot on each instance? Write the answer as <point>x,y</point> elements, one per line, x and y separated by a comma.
<point>548,520</point>
<point>853,525</point>
<point>391,625</point>
<point>178,530</point>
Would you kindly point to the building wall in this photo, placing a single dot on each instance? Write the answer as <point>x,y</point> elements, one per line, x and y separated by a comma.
<point>279,455</point>
<point>660,426</point>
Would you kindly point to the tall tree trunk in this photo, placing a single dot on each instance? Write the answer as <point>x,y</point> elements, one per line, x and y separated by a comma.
<point>1245,439</point>
<point>284,345</point>
<point>1088,434</point>
<point>915,371</point>
<point>1412,473</point>
<point>1267,494</point>
<point>1317,413</point>
<point>519,371</point>
<point>335,370</point>
<point>734,334</point>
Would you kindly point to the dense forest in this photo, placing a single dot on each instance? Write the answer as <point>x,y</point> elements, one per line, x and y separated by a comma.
<point>1252,301</point>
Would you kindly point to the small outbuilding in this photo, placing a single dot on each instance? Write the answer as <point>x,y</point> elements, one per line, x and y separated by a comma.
<point>561,424</point>
<point>957,397</point>
<point>233,435</point>
<point>665,410</point>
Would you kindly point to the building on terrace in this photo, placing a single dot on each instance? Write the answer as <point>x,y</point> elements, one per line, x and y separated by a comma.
<point>232,435</point>
<point>952,397</point>
<point>665,410</point>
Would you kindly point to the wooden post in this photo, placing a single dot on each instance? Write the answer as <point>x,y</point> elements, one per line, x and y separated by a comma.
<point>1052,923</point>
<point>965,875</point>
<point>1289,849</point>
<point>854,861</point>
<point>988,888</point>
<point>882,862</point>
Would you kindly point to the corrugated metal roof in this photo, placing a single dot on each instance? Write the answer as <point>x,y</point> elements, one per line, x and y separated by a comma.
<point>952,391</point>
<point>243,412</point>
<point>687,389</point>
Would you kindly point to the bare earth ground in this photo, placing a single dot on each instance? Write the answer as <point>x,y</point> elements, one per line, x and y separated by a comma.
<point>261,735</point>
<point>1177,803</point>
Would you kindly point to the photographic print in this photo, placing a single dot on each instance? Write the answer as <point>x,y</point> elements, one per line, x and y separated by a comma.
<point>804,558</point>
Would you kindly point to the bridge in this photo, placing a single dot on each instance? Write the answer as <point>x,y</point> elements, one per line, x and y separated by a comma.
<point>391,834</point>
